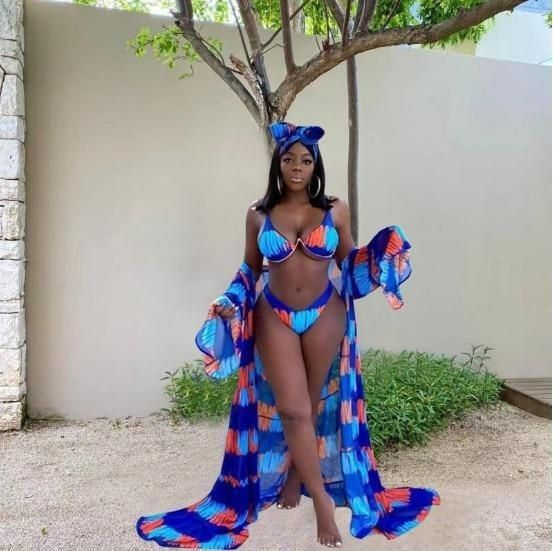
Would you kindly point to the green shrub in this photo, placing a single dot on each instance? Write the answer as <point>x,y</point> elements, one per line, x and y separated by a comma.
<point>408,395</point>
<point>195,396</point>
<point>411,394</point>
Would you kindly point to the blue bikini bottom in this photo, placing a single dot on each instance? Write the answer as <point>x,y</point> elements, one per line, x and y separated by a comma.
<point>299,320</point>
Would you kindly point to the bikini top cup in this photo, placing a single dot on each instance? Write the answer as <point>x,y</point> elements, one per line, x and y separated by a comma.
<point>320,243</point>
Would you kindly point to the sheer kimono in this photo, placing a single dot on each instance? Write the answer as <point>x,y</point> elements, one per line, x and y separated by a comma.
<point>256,458</point>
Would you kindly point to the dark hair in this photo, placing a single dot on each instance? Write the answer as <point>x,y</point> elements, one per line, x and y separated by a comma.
<point>272,195</point>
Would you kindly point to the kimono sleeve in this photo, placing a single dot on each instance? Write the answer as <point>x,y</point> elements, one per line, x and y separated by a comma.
<point>221,341</point>
<point>383,262</point>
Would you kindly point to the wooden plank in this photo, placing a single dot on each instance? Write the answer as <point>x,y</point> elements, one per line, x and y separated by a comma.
<point>529,390</point>
<point>529,387</point>
<point>536,394</point>
<point>525,383</point>
<point>530,394</point>
<point>538,379</point>
<point>527,403</point>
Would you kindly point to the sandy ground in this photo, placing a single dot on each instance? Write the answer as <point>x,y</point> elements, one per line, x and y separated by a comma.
<point>72,486</point>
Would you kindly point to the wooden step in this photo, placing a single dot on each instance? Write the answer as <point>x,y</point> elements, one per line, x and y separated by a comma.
<point>529,394</point>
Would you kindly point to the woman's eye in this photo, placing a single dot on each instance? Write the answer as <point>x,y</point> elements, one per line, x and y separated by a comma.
<point>307,161</point>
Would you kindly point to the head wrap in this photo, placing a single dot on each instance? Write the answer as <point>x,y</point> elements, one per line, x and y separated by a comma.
<point>286,134</point>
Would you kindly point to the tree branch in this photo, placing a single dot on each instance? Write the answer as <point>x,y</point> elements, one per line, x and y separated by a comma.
<point>323,62</point>
<point>276,33</point>
<point>287,37</point>
<point>366,17</point>
<point>184,21</point>
<point>336,11</point>
<point>248,18</point>
<point>345,24</point>
<point>360,7</point>
<point>251,78</point>
<point>392,13</point>
<point>240,33</point>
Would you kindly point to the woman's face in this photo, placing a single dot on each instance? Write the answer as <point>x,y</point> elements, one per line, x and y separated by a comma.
<point>297,166</point>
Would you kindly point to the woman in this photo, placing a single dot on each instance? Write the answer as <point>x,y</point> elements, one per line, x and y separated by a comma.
<point>297,424</point>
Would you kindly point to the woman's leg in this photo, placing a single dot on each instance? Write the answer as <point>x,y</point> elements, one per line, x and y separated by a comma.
<point>280,351</point>
<point>319,349</point>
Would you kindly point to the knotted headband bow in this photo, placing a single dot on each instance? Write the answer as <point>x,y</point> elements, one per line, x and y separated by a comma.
<point>286,134</point>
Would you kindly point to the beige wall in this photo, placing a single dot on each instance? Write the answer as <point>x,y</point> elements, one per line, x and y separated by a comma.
<point>138,184</point>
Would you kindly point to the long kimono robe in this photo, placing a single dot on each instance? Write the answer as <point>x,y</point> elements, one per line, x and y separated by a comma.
<point>256,457</point>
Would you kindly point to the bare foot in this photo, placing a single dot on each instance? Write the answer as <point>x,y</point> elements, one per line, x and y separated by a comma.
<point>290,496</point>
<point>327,531</point>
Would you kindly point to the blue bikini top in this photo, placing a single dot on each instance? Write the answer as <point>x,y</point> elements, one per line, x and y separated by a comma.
<point>321,242</point>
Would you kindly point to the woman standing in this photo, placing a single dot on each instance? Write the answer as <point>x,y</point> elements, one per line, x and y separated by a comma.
<point>297,424</point>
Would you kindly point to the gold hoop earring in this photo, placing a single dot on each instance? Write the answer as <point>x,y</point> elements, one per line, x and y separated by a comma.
<point>318,188</point>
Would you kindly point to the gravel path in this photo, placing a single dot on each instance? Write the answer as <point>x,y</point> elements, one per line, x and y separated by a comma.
<point>81,485</point>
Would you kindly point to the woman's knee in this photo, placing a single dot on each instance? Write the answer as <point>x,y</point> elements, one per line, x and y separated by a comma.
<point>295,412</point>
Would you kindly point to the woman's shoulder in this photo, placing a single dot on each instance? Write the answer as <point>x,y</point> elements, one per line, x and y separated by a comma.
<point>254,214</point>
<point>256,206</point>
<point>340,209</point>
<point>337,204</point>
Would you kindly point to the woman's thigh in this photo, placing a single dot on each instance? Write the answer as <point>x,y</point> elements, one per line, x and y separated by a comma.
<point>321,343</point>
<point>279,349</point>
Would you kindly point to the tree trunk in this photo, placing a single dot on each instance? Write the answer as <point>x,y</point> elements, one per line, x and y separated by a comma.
<point>298,23</point>
<point>353,146</point>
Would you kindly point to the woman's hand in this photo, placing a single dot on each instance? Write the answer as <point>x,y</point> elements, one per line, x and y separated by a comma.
<point>224,308</point>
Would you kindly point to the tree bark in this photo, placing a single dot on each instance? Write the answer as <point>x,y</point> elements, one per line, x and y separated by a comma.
<point>334,54</point>
<point>353,147</point>
<point>298,23</point>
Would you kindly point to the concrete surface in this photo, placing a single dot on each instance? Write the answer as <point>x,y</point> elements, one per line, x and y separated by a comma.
<point>80,486</point>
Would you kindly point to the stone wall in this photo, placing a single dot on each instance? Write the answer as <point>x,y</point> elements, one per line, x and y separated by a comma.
<point>12,217</point>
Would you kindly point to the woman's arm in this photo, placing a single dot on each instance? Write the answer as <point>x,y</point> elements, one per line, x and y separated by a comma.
<point>383,261</point>
<point>252,257</point>
<point>342,222</point>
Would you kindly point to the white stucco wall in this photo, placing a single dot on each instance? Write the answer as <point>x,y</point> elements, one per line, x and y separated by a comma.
<point>138,185</point>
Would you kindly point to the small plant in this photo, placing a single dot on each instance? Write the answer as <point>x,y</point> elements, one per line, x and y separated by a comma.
<point>195,396</point>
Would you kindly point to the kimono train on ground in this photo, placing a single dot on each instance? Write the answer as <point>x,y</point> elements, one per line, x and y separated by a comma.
<point>256,457</point>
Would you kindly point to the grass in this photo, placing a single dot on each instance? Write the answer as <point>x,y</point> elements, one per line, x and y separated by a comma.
<point>408,395</point>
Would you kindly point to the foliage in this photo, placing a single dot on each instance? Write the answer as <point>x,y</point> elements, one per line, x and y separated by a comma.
<point>165,45</point>
<point>430,12</point>
<point>168,48</point>
<point>144,6</point>
<point>411,394</point>
<point>196,397</point>
<point>408,395</point>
